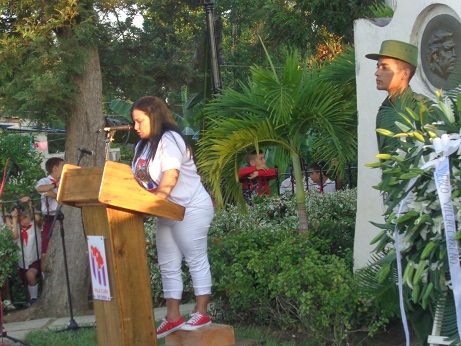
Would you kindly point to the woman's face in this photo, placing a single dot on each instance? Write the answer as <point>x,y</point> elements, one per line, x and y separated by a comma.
<point>141,124</point>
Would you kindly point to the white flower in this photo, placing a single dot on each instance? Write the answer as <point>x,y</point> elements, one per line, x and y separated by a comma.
<point>446,106</point>
<point>424,233</point>
<point>438,222</point>
<point>436,266</point>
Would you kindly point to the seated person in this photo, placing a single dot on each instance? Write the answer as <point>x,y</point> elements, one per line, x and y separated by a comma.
<point>288,186</point>
<point>27,234</point>
<point>318,173</point>
<point>255,177</point>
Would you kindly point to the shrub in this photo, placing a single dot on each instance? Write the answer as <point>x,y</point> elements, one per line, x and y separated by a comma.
<point>331,219</point>
<point>8,254</point>
<point>274,277</point>
<point>265,272</point>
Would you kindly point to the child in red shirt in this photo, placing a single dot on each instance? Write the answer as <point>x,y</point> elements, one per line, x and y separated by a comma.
<point>255,178</point>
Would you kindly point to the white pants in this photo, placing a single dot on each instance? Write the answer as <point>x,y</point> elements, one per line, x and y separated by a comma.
<point>187,238</point>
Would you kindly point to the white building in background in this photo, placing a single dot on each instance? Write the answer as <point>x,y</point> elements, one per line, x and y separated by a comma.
<point>41,137</point>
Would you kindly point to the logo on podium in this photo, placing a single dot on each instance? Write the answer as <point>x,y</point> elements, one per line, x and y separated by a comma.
<point>98,266</point>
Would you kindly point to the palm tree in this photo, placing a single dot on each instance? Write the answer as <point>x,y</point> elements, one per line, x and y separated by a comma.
<point>275,109</point>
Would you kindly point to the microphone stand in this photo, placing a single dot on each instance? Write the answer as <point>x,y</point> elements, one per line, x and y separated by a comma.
<point>59,216</point>
<point>108,140</point>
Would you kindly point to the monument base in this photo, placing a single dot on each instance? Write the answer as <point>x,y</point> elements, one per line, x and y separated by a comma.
<point>213,335</point>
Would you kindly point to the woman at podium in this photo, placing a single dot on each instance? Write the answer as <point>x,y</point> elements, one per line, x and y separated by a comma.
<point>163,164</point>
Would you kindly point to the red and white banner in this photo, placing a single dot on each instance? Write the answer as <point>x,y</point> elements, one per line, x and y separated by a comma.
<point>98,266</point>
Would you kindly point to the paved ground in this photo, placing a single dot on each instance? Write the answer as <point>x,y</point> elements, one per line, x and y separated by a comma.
<point>18,330</point>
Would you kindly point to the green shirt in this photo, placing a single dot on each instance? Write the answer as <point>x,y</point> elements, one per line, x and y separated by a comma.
<point>388,114</point>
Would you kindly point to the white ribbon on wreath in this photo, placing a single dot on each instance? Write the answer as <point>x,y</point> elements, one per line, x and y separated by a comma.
<point>444,146</point>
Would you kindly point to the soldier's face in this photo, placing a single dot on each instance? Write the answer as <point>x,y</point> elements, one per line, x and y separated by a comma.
<point>390,76</point>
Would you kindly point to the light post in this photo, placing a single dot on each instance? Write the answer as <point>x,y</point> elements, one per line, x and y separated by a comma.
<point>216,78</point>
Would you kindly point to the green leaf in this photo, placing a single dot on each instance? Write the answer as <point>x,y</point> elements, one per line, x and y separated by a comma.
<point>407,216</point>
<point>409,175</point>
<point>378,236</point>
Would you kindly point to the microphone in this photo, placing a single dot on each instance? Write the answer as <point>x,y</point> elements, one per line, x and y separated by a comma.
<point>86,151</point>
<point>116,128</point>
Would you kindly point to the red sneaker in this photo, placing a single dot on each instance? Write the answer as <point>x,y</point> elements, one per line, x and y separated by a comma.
<point>197,321</point>
<point>168,327</point>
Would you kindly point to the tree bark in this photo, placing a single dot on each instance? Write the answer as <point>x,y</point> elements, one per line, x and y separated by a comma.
<point>81,131</point>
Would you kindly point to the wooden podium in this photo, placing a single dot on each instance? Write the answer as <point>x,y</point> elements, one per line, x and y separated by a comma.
<point>113,205</point>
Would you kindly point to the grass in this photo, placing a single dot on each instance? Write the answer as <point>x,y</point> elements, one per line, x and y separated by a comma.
<point>80,337</point>
<point>87,337</point>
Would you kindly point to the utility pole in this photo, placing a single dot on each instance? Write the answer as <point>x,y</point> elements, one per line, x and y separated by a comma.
<point>216,78</point>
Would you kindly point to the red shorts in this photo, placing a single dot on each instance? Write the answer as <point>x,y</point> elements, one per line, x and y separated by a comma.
<point>22,272</point>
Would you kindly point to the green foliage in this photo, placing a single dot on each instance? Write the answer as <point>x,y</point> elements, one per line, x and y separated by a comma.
<point>331,219</point>
<point>265,271</point>
<point>43,51</point>
<point>341,72</point>
<point>277,278</point>
<point>302,25</point>
<point>332,222</point>
<point>8,253</point>
<point>275,108</point>
<point>159,58</point>
<point>24,165</point>
<point>381,10</point>
<point>383,294</point>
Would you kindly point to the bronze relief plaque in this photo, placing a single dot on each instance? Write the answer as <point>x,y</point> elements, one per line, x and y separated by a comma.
<point>441,51</point>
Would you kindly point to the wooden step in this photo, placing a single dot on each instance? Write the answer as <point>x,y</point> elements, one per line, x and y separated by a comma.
<point>212,335</point>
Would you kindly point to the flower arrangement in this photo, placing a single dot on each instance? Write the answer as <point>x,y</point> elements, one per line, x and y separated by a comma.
<point>411,183</point>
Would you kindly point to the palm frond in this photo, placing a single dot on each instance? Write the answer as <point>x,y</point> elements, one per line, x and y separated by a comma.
<point>445,316</point>
<point>385,294</point>
<point>224,147</point>
<point>341,72</point>
<point>274,111</point>
<point>381,10</point>
<point>280,94</point>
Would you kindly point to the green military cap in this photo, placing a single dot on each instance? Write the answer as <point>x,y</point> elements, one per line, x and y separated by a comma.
<point>397,50</point>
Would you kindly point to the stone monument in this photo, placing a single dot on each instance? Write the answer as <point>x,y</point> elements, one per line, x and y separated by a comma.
<point>433,26</point>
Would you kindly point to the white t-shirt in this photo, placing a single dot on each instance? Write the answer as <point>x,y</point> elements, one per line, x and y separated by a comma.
<point>329,186</point>
<point>172,153</point>
<point>31,249</point>
<point>286,185</point>
<point>48,204</point>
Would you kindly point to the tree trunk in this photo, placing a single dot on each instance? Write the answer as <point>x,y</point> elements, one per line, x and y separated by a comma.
<point>81,131</point>
<point>300,194</point>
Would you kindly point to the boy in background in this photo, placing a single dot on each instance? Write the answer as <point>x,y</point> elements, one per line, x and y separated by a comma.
<point>48,190</point>
<point>27,234</point>
<point>255,177</point>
